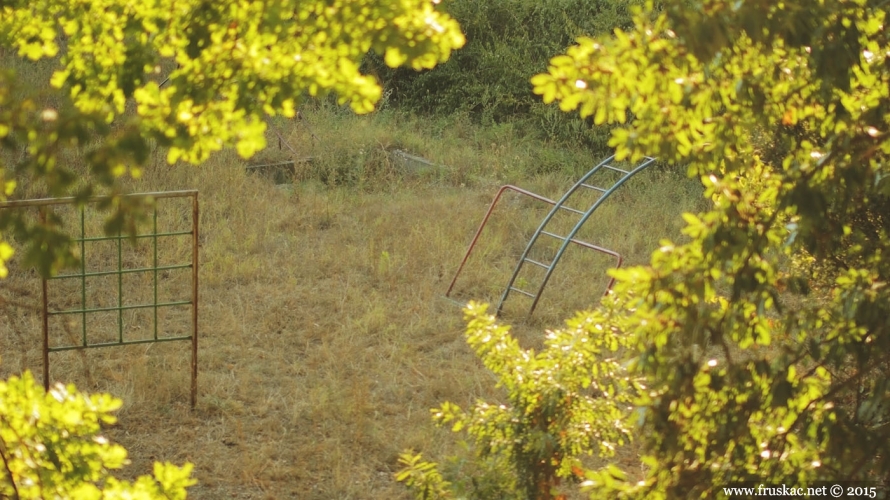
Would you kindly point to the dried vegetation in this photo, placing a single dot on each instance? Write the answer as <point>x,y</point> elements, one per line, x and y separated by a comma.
<point>324,337</point>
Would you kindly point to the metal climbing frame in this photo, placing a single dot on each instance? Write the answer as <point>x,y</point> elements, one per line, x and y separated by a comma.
<point>81,276</point>
<point>561,204</point>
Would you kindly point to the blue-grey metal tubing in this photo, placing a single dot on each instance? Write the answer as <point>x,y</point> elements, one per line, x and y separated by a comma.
<point>120,308</point>
<point>554,211</point>
<point>565,244</point>
<point>534,238</point>
<point>491,207</point>
<point>110,344</point>
<point>122,271</point>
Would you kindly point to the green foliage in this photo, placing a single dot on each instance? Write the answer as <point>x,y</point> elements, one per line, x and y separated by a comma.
<point>234,60</point>
<point>764,339</point>
<point>423,478</point>
<point>507,42</point>
<point>190,76</point>
<point>565,402</point>
<point>797,390</point>
<point>51,448</point>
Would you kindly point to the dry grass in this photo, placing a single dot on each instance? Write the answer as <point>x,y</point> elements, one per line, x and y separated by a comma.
<point>324,337</point>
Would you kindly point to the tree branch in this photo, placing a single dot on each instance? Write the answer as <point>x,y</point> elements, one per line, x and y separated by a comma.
<point>3,449</point>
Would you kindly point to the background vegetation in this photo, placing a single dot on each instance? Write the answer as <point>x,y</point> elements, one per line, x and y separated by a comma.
<point>750,351</point>
<point>507,42</point>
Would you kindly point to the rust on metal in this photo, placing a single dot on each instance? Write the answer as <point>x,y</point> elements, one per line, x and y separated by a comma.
<point>566,240</point>
<point>83,310</point>
<point>195,243</point>
<point>497,197</point>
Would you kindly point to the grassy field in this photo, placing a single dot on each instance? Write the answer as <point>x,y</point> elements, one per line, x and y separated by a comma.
<point>324,336</point>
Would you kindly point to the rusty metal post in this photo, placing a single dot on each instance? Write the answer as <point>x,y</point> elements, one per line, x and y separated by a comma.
<point>566,240</point>
<point>83,310</point>
<point>194,392</point>
<point>494,202</point>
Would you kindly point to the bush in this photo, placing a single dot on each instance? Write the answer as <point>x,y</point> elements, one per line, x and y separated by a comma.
<point>507,42</point>
<point>50,447</point>
<point>761,343</point>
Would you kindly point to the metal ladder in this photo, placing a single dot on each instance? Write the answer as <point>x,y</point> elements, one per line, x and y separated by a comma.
<point>583,183</point>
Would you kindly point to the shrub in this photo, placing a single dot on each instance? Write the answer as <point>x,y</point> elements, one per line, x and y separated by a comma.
<point>51,448</point>
<point>507,42</point>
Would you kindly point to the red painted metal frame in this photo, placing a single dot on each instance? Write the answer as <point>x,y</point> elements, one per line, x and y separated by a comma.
<point>538,197</point>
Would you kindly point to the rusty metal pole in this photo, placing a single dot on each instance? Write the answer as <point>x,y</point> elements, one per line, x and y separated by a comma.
<point>194,393</point>
<point>41,205</point>
<point>494,202</point>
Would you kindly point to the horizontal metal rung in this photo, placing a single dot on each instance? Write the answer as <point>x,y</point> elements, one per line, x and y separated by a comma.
<point>122,271</point>
<point>461,303</point>
<point>127,237</point>
<point>596,188</point>
<point>616,169</point>
<point>109,344</point>
<point>570,209</point>
<point>523,292</point>
<point>554,235</point>
<point>583,244</point>
<point>541,264</point>
<point>45,202</point>
<point>120,308</point>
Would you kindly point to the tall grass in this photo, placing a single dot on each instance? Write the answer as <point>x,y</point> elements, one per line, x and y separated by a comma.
<point>324,338</point>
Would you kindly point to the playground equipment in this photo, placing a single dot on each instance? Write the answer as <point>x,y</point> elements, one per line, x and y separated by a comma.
<point>542,231</point>
<point>85,278</point>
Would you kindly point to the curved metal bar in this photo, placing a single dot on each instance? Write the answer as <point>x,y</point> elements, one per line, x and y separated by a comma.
<point>540,229</point>
<point>570,237</point>
<point>581,222</point>
<point>494,202</point>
